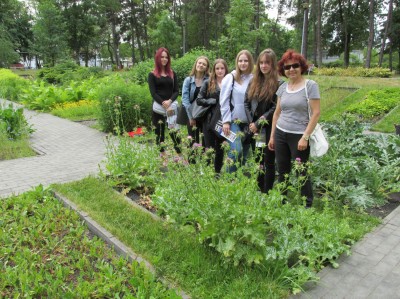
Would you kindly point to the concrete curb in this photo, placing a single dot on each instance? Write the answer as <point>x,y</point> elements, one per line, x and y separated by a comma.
<point>119,247</point>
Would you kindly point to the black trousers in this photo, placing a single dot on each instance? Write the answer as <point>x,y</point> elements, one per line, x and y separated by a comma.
<point>212,141</point>
<point>266,159</point>
<point>159,122</point>
<point>286,152</point>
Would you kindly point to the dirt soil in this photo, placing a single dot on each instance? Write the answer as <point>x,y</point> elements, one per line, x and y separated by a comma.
<point>383,211</point>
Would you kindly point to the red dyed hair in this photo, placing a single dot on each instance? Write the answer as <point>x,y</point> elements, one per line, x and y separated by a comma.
<point>158,66</point>
<point>294,56</point>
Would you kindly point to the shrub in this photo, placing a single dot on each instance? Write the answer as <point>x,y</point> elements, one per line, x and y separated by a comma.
<point>11,85</point>
<point>13,122</point>
<point>354,72</point>
<point>123,106</point>
<point>140,71</point>
<point>69,71</point>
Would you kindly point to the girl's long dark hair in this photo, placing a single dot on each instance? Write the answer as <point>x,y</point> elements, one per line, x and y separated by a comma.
<point>158,66</point>
<point>263,86</point>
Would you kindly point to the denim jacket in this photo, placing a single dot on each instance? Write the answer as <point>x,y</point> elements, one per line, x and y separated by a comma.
<point>188,89</point>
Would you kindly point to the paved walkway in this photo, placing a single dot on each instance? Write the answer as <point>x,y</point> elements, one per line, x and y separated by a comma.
<point>71,151</point>
<point>68,151</point>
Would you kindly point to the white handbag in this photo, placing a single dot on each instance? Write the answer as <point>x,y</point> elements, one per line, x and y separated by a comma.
<point>159,109</point>
<point>318,143</point>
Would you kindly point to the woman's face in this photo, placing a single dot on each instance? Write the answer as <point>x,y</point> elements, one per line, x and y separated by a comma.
<point>201,65</point>
<point>265,65</point>
<point>164,58</point>
<point>220,70</point>
<point>243,63</point>
<point>292,69</point>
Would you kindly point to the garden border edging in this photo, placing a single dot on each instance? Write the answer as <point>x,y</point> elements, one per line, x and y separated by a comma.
<point>119,247</point>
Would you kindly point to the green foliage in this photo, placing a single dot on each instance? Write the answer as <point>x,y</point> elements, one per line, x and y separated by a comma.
<point>132,165</point>
<point>65,72</point>
<point>354,72</point>
<point>376,103</point>
<point>359,169</point>
<point>182,66</point>
<point>13,122</point>
<point>11,85</point>
<point>166,33</point>
<point>49,254</point>
<point>141,70</point>
<point>123,106</point>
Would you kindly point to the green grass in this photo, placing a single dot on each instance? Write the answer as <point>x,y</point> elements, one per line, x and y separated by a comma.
<point>336,96</point>
<point>386,124</point>
<point>29,73</point>
<point>46,252</point>
<point>176,254</point>
<point>14,149</point>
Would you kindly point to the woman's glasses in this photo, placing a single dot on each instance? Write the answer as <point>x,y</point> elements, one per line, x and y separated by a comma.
<point>289,66</point>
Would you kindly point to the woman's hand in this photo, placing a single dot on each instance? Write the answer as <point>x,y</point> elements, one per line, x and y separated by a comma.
<point>226,128</point>
<point>302,145</point>
<point>253,128</point>
<point>167,103</point>
<point>271,144</point>
<point>192,122</point>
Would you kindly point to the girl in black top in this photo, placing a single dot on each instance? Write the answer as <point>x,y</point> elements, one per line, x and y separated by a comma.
<point>209,96</point>
<point>164,90</point>
<point>260,104</point>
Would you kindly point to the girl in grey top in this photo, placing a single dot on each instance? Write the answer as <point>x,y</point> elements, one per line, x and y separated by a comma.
<point>291,124</point>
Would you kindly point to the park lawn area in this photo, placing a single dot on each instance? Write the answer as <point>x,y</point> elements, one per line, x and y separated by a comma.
<point>338,93</point>
<point>14,149</point>
<point>47,252</point>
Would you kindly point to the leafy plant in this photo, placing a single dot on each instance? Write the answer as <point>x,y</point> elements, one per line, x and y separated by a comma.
<point>354,72</point>
<point>123,106</point>
<point>376,103</point>
<point>13,122</point>
<point>11,85</point>
<point>49,253</point>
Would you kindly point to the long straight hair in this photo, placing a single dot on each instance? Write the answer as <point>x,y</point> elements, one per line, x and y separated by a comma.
<point>158,67</point>
<point>193,72</point>
<point>249,69</point>
<point>264,86</point>
<point>212,85</point>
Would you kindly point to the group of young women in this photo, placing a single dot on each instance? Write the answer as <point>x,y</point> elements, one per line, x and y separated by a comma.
<point>252,102</point>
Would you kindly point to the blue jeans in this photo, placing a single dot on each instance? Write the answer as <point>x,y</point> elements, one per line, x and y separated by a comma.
<point>238,151</point>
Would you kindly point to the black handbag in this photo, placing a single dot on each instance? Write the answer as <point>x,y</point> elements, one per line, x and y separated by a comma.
<point>182,117</point>
<point>198,111</point>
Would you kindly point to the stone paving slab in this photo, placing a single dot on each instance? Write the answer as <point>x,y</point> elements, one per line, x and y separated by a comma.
<point>68,152</point>
<point>372,271</point>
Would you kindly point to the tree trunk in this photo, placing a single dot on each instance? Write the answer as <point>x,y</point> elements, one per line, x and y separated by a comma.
<point>257,50</point>
<point>319,33</point>
<point>304,39</point>
<point>387,27</point>
<point>371,33</point>
<point>115,40</point>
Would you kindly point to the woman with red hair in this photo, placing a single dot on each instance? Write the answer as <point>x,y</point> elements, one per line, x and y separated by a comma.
<point>296,115</point>
<point>164,90</point>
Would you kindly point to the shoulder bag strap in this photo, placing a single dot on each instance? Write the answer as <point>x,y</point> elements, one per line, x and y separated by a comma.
<point>230,96</point>
<point>308,99</point>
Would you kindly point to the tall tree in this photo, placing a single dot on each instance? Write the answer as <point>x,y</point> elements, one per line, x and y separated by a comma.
<point>50,33</point>
<point>386,32</point>
<point>371,33</point>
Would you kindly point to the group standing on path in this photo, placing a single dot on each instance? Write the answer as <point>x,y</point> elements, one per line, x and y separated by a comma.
<point>269,116</point>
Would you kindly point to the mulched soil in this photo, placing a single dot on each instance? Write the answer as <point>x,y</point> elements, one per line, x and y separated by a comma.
<point>383,211</point>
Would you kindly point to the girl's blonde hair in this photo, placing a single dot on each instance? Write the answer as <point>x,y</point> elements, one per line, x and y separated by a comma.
<point>193,72</point>
<point>250,67</point>
<point>264,86</point>
<point>212,85</point>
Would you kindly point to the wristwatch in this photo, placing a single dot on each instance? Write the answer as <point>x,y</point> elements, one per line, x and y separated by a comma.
<point>306,137</point>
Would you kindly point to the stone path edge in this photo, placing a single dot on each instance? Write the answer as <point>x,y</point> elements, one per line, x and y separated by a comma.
<point>119,247</point>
